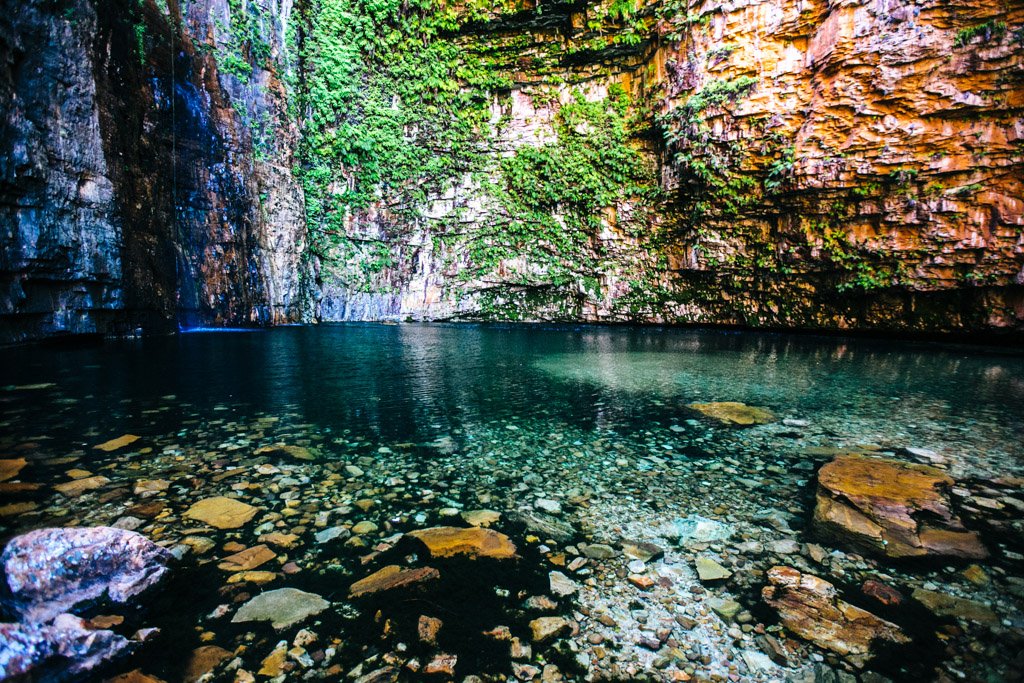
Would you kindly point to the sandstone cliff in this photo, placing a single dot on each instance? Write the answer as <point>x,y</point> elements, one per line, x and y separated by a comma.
<point>783,163</point>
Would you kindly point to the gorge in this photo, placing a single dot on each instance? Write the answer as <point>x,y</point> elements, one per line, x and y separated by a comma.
<point>494,340</point>
<point>816,165</point>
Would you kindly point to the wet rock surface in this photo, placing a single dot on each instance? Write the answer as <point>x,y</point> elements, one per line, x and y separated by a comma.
<point>895,508</point>
<point>51,571</point>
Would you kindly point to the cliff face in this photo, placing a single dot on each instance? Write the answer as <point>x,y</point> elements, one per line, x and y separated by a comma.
<point>763,162</point>
<point>134,191</point>
<point>821,165</point>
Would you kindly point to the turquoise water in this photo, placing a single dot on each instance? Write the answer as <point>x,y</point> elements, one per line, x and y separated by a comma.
<point>495,417</point>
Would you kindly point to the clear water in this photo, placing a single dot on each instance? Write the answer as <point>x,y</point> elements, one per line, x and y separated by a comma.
<point>496,417</point>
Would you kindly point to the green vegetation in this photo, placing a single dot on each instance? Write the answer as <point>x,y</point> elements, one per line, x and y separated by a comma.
<point>990,30</point>
<point>242,44</point>
<point>553,201</point>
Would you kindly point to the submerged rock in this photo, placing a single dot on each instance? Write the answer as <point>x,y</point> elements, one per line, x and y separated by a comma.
<point>119,442</point>
<point>709,570</point>
<point>222,512</point>
<point>545,525</point>
<point>10,467</point>
<point>811,608</point>
<point>281,450</point>
<point>49,571</point>
<point>943,605</point>
<point>282,607</point>
<point>447,541</point>
<point>544,629</point>
<point>65,649</point>
<point>697,529</point>
<point>390,578</point>
<point>732,412</point>
<point>891,508</point>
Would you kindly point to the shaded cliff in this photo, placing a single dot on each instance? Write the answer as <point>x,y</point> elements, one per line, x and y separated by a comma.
<point>824,165</point>
<point>133,193</point>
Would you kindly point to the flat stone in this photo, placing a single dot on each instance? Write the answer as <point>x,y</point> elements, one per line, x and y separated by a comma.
<point>364,527</point>
<point>119,442</point>
<point>473,542</point>
<point>247,559</point>
<point>484,518</point>
<point>810,607</point>
<point>544,629</point>
<point>49,571</point>
<point>11,467</point>
<point>281,540</point>
<point>697,529</point>
<point>282,607</point>
<point>222,512</point>
<point>727,608</point>
<point>390,578</point>
<point>441,664</point>
<point>891,508</point>
<point>286,451</point>
<point>943,605</point>
<point>547,505</point>
<point>731,412</point>
<point>641,550</point>
<point>561,585</point>
<point>151,486</point>
<point>599,551</point>
<point>709,570</point>
<point>257,577</point>
<point>134,676</point>
<point>546,525</point>
<point>77,487</point>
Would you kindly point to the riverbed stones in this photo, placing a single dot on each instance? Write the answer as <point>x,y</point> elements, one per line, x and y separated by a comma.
<point>76,487</point>
<point>222,512</point>
<point>282,607</point>
<point>49,571</point>
<point>892,508</point>
<point>811,608</point>
<point>732,412</point>
<point>281,450</point>
<point>390,578</point>
<point>475,542</point>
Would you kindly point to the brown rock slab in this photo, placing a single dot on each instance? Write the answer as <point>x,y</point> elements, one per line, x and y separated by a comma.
<point>810,607</point>
<point>119,442</point>
<point>257,577</point>
<point>441,664</point>
<point>891,508</point>
<point>279,450</point>
<point>10,467</point>
<point>390,578</point>
<point>222,512</point>
<point>12,509</point>
<point>77,487</point>
<point>732,412</point>
<point>247,559</point>
<point>447,541</point>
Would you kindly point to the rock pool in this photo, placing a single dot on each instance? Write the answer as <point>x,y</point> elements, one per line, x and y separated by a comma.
<point>402,502</point>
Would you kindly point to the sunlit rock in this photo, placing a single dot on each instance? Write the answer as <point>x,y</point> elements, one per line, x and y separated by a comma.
<point>282,607</point>
<point>49,571</point>
<point>222,512</point>
<point>891,508</point>
<point>811,608</point>
<point>731,412</point>
<point>392,577</point>
<point>446,541</point>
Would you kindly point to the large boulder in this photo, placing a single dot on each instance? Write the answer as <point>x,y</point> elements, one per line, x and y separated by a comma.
<point>891,508</point>
<point>63,650</point>
<point>811,608</point>
<point>50,571</point>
